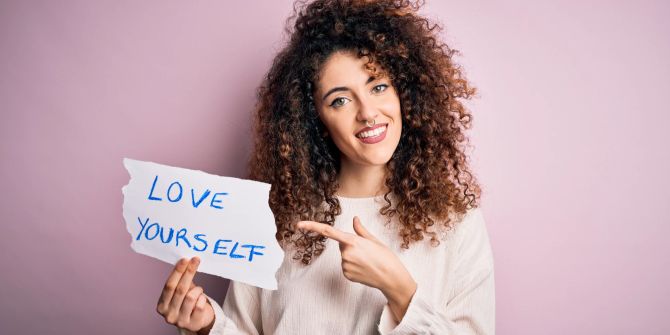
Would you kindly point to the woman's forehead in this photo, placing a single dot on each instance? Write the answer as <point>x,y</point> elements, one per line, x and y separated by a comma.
<point>343,69</point>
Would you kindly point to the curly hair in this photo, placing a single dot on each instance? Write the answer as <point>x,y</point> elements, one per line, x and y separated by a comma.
<point>428,175</point>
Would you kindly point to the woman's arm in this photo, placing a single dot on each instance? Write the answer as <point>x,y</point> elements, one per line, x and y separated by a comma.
<point>470,311</point>
<point>470,304</point>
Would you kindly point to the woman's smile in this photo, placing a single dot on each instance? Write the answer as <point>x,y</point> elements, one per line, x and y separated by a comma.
<point>372,135</point>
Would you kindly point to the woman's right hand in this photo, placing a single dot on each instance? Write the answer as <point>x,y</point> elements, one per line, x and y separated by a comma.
<point>184,304</point>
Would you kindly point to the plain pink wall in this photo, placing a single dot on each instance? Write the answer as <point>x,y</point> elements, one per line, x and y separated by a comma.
<point>568,135</point>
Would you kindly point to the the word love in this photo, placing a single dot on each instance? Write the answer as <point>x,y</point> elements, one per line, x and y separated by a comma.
<point>175,193</point>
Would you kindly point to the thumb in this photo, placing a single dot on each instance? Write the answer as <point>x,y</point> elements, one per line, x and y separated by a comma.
<point>361,231</point>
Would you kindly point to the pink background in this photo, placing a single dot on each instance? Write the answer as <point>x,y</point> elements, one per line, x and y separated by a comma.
<point>570,143</point>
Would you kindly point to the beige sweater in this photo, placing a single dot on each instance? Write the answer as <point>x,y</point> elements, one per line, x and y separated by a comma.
<point>455,287</point>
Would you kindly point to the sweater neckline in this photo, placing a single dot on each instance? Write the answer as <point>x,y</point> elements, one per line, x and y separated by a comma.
<point>377,197</point>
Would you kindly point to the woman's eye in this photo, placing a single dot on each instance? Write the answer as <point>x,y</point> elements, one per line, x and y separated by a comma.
<point>338,102</point>
<point>383,86</point>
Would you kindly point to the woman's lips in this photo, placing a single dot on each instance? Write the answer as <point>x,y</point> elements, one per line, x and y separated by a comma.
<point>374,139</point>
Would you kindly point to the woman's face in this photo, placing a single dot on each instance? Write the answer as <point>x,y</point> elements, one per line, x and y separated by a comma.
<point>347,96</point>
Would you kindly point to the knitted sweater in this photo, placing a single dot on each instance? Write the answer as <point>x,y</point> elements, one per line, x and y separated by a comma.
<point>455,286</point>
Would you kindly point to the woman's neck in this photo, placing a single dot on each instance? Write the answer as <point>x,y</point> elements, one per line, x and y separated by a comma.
<point>361,181</point>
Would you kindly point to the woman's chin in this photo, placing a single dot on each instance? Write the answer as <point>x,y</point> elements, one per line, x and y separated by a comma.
<point>376,160</point>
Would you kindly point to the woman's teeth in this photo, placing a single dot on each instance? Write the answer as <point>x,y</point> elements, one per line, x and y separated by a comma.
<point>372,133</point>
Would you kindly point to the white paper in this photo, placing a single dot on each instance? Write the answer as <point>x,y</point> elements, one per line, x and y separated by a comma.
<point>225,221</point>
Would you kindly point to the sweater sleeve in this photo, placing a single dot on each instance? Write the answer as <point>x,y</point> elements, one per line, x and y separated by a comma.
<point>470,305</point>
<point>240,313</point>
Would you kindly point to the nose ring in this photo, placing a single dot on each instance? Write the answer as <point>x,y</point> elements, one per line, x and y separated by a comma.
<point>367,123</point>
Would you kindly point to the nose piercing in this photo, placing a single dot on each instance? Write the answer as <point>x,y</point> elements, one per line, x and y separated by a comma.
<point>367,123</point>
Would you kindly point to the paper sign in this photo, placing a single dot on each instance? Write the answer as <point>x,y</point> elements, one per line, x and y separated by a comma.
<point>173,212</point>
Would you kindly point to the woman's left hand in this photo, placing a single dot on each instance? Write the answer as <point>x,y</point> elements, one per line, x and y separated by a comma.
<point>368,261</point>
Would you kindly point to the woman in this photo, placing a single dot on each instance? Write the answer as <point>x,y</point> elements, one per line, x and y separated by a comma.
<point>360,132</point>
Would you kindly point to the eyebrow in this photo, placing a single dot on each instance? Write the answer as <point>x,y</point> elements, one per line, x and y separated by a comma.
<point>341,88</point>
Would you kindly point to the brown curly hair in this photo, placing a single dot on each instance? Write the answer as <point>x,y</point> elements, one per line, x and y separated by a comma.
<point>428,173</point>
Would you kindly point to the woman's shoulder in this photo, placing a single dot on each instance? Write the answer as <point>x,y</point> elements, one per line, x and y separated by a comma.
<point>473,218</point>
<point>473,238</point>
<point>454,225</point>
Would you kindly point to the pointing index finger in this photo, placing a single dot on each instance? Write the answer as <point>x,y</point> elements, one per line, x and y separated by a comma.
<point>325,230</point>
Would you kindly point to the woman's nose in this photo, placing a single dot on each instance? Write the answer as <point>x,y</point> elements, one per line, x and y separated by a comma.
<point>367,111</point>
